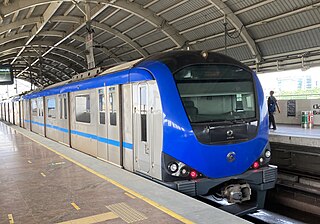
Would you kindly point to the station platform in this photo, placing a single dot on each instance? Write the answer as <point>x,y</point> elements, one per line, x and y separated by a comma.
<point>296,135</point>
<point>42,181</point>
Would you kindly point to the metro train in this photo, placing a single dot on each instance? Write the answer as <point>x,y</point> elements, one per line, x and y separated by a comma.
<point>194,121</point>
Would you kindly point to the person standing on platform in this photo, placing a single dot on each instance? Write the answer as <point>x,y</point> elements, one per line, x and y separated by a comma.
<point>272,104</point>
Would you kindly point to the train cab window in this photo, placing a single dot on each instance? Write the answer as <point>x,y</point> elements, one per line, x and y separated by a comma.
<point>143,112</point>
<point>83,109</point>
<point>51,103</point>
<point>102,107</point>
<point>215,93</point>
<point>34,107</point>
<point>113,112</point>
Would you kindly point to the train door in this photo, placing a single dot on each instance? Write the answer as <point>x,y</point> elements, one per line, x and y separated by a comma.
<point>27,118</point>
<point>113,125</point>
<point>101,126</point>
<point>127,132</point>
<point>63,119</point>
<point>21,114</point>
<point>16,113</point>
<point>11,112</point>
<point>83,106</point>
<point>142,123</point>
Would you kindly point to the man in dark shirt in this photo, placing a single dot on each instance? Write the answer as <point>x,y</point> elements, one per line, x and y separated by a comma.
<point>272,104</point>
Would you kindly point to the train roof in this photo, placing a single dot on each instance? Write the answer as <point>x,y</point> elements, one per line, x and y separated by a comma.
<point>175,60</point>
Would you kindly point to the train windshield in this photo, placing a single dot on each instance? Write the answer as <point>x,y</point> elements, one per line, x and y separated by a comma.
<point>215,93</point>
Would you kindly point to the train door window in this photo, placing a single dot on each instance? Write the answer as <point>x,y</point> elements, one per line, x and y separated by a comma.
<point>40,107</point>
<point>34,107</point>
<point>143,112</point>
<point>65,108</point>
<point>51,103</point>
<point>113,112</point>
<point>102,107</point>
<point>83,108</point>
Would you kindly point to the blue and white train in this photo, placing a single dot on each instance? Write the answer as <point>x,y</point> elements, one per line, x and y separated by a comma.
<point>194,121</point>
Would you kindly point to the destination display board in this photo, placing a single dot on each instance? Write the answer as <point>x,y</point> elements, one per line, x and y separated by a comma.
<point>6,75</point>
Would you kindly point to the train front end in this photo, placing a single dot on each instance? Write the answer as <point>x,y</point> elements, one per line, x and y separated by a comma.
<point>215,127</point>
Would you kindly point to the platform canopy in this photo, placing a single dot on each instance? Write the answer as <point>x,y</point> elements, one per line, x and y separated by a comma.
<point>45,41</point>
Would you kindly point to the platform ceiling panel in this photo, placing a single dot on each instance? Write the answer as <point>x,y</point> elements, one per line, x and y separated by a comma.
<point>263,31</point>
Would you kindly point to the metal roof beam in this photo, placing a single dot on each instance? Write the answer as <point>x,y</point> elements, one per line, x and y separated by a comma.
<point>53,7</point>
<point>52,57</point>
<point>143,13</point>
<point>148,15</point>
<point>78,55</point>
<point>27,17</point>
<point>18,24</point>
<point>177,4</point>
<point>95,13</point>
<point>6,2</point>
<point>103,49</point>
<point>121,36</point>
<point>236,22</point>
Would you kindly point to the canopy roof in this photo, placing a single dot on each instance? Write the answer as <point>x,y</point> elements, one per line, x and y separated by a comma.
<point>47,38</point>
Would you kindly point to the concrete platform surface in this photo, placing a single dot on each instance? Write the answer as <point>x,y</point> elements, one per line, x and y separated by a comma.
<point>294,134</point>
<point>42,181</point>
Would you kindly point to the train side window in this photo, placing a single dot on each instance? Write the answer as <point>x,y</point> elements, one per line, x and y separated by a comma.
<point>34,107</point>
<point>40,107</point>
<point>65,108</point>
<point>102,107</point>
<point>51,103</point>
<point>113,112</point>
<point>143,112</point>
<point>61,108</point>
<point>83,108</point>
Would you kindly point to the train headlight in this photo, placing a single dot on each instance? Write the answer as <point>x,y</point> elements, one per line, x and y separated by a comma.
<point>261,160</point>
<point>173,167</point>
<point>184,172</point>
<point>267,153</point>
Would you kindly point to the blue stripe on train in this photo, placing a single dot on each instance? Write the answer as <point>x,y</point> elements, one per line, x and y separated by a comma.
<point>86,135</point>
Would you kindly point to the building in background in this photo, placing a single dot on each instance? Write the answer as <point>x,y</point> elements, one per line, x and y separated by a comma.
<point>291,82</point>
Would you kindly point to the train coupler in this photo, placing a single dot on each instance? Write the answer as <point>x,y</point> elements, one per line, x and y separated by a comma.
<point>237,193</point>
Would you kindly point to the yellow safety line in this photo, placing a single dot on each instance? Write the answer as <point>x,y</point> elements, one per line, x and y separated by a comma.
<point>10,217</point>
<point>29,161</point>
<point>43,174</point>
<point>149,201</point>
<point>129,195</point>
<point>75,206</point>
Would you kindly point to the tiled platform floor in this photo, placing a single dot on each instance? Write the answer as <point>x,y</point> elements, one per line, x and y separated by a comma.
<point>39,186</point>
<point>42,181</point>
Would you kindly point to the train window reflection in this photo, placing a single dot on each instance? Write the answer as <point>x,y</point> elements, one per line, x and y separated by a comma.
<point>83,108</point>
<point>102,108</point>
<point>51,108</point>
<point>113,113</point>
<point>143,112</point>
<point>40,105</point>
<point>65,108</point>
<point>34,107</point>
